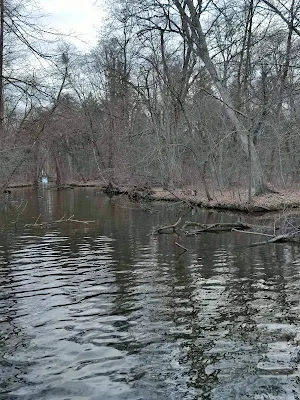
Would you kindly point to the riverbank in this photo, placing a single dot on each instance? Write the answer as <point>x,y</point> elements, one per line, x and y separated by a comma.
<point>227,200</point>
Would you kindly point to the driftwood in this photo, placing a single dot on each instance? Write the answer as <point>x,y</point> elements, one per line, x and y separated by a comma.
<point>286,238</point>
<point>253,233</point>
<point>168,228</point>
<point>182,247</point>
<point>293,236</point>
<point>217,227</point>
<point>58,221</point>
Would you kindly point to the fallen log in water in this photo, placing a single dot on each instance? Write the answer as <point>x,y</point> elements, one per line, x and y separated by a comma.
<point>217,227</point>
<point>168,228</point>
<point>293,237</point>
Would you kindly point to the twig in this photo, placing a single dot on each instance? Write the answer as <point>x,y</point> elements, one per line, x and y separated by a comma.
<point>77,220</point>
<point>63,219</point>
<point>252,233</point>
<point>180,245</point>
<point>20,212</point>
<point>37,219</point>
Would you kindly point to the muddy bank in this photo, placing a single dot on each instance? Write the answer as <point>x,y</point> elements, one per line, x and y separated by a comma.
<point>227,200</point>
<point>267,202</point>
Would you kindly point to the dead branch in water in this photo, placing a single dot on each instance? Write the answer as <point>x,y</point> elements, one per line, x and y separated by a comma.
<point>293,236</point>
<point>182,247</point>
<point>19,211</point>
<point>58,221</point>
<point>287,238</point>
<point>217,227</point>
<point>253,233</point>
<point>168,228</point>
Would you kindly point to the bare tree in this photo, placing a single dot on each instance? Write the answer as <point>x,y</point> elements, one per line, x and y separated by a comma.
<point>1,66</point>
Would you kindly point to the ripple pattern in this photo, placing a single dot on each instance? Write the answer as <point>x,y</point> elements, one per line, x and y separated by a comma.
<point>104,316</point>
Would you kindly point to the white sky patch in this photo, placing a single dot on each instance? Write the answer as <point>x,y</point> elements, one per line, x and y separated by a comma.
<point>80,18</point>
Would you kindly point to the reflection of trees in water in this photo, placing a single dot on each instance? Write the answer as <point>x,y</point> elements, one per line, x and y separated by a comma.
<point>129,244</point>
<point>277,273</point>
<point>191,335</point>
<point>169,330</point>
<point>208,300</point>
<point>13,337</point>
<point>187,324</point>
<point>226,342</point>
<point>256,292</point>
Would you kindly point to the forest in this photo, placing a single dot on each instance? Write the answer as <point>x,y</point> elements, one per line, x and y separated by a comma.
<point>202,96</point>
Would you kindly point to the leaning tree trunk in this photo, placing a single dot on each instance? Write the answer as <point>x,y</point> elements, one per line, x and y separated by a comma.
<point>193,33</point>
<point>242,132</point>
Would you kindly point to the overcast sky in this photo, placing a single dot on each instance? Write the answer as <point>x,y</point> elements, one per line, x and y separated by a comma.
<point>81,17</point>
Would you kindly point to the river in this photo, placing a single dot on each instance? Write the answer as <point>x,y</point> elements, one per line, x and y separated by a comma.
<point>106,310</point>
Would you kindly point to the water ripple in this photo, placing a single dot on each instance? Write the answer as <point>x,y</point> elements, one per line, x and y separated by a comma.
<point>117,315</point>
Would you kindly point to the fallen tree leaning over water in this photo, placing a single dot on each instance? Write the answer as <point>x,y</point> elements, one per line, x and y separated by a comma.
<point>217,227</point>
<point>291,236</point>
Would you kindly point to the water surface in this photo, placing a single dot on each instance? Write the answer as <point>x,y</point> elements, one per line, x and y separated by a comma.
<point>108,311</point>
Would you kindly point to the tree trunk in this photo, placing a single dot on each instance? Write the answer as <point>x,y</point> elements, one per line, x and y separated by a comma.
<point>192,32</point>
<point>286,65</point>
<point>1,69</point>
<point>58,170</point>
<point>242,132</point>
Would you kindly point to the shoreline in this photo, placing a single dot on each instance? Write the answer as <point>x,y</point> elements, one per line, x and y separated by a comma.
<point>270,202</point>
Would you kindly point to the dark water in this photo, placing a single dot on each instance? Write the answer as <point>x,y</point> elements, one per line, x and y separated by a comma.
<point>108,311</point>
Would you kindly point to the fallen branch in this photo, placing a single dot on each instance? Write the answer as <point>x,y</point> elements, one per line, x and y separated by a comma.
<point>253,233</point>
<point>37,219</point>
<point>168,228</point>
<point>217,227</point>
<point>289,237</point>
<point>62,219</point>
<point>293,236</point>
<point>19,211</point>
<point>180,245</point>
<point>79,221</point>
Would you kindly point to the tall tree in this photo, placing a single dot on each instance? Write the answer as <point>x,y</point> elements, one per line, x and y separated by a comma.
<point>1,67</point>
<point>192,31</point>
